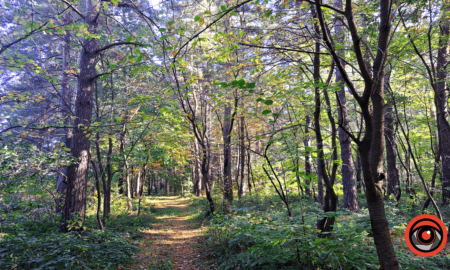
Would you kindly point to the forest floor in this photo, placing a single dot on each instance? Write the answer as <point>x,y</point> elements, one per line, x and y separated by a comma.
<point>173,240</point>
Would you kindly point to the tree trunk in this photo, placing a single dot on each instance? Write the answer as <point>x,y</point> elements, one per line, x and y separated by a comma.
<point>138,191</point>
<point>99,196</point>
<point>107,191</point>
<point>359,179</point>
<point>66,101</point>
<point>197,178</point>
<point>243,184</point>
<point>441,100</point>
<point>167,186</point>
<point>371,147</point>
<point>120,184</point>
<point>212,175</point>
<point>330,201</point>
<point>77,173</point>
<point>348,175</point>
<point>307,142</point>
<point>109,169</point>
<point>227,159</point>
<point>393,178</point>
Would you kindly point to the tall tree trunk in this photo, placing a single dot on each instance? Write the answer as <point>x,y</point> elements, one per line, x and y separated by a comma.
<point>138,191</point>
<point>212,175</point>
<point>126,166</point>
<point>348,175</point>
<point>359,178</point>
<point>99,196</point>
<point>66,101</point>
<point>167,186</point>
<point>308,167</point>
<point>243,183</point>
<point>197,178</point>
<point>237,167</point>
<point>441,100</point>
<point>393,177</point>
<point>316,74</point>
<point>150,185</point>
<point>371,147</point>
<point>107,192</point>
<point>120,184</point>
<point>227,159</point>
<point>77,173</point>
<point>330,201</point>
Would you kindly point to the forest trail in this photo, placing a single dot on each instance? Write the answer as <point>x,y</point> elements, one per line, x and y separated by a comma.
<point>171,243</point>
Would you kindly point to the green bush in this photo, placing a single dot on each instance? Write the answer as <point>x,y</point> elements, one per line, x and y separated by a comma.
<point>259,235</point>
<point>91,249</point>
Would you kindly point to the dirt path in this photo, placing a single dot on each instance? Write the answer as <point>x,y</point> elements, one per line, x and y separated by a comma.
<point>172,241</point>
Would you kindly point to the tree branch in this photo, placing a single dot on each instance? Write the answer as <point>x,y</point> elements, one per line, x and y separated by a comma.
<point>281,49</point>
<point>74,9</point>
<point>5,47</point>
<point>209,25</point>
<point>117,44</point>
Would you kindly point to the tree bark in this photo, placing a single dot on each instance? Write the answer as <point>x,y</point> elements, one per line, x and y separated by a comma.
<point>197,179</point>
<point>371,147</point>
<point>75,202</point>
<point>441,100</point>
<point>307,142</point>
<point>393,177</point>
<point>329,203</point>
<point>227,159</point>
<point>243,184</point>
<point>65,104</point>
<point>348,175</point>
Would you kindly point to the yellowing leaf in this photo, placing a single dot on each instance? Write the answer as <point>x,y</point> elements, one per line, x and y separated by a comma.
<point>202,21</point>
<point>174,53</point>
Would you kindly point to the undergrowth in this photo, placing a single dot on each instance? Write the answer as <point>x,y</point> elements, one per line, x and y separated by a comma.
<point>33,242</point>
<point>259,235</point>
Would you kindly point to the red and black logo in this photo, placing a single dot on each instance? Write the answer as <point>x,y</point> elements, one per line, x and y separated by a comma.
<point>426,235</point>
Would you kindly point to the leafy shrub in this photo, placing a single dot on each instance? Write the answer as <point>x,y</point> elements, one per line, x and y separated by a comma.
<point>87,250</point>
<point>259,235</point>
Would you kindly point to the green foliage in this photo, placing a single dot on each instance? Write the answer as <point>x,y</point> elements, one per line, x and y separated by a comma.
<point>90,249</point>
<point>259,235</point>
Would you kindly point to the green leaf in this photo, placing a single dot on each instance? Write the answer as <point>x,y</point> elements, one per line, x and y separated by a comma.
<point>223,8</point>
<point>268,102</point>
<point>197,18</point>
<point>251,85</point>
<point>266,112</point>
<point>129,39</point>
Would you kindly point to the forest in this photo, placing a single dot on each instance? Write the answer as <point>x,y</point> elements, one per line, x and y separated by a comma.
<point>224,134</point>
